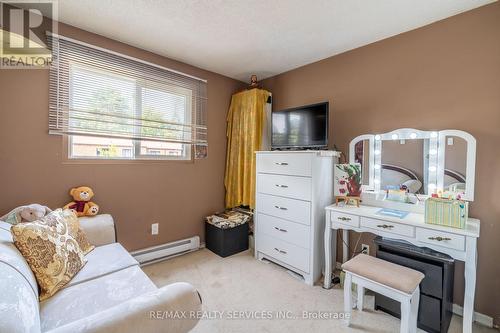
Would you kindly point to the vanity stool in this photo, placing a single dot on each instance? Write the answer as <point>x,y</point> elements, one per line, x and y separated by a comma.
<point>386,278</point>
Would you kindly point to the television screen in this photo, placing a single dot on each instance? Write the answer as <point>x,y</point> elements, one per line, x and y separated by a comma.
<point>302,127</point>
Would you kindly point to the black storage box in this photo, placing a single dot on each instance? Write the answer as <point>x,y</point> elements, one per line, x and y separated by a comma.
<point>436,289</point>
<point>227,240</point>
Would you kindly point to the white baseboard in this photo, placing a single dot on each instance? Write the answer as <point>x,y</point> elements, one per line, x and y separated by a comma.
<point>479,318</point>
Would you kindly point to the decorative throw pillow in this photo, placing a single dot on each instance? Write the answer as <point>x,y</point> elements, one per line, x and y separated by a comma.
<point>52,253</point>
<point>69,217</point>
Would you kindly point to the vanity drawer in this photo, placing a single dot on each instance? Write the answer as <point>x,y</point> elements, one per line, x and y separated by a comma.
<point>444,239</point>
<point>290,254</point>
<point>285,164</point>
<point>389,227</point>
<point>346,219</point>
<point>288,209</point>
<point>285,186</point>
<point>291,232</point>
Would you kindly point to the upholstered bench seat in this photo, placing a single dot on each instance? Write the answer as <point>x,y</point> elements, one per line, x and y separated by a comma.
<point>391,280</point>
<point>387,273</point>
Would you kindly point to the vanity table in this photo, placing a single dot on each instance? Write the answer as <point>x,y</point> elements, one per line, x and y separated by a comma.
<point>461,244</point>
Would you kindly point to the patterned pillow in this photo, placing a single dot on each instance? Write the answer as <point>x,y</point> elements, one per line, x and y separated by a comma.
<point>69,217</point>
<point>52,253</point>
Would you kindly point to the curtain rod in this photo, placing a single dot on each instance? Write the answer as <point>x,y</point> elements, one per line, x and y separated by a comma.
<point>123,55</point>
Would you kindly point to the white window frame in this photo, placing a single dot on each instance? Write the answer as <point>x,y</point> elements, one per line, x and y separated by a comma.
<point>136,144</point>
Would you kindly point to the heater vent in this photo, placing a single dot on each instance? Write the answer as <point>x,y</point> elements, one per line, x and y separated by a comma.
<point>165,251</point>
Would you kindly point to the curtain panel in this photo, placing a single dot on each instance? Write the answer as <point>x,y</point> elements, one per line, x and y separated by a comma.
<point>245,123</point>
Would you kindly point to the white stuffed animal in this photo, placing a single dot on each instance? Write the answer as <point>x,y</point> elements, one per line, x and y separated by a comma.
<point>27,213</point>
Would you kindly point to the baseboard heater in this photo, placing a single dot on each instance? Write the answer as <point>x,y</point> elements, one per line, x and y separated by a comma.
<point>157,253</point>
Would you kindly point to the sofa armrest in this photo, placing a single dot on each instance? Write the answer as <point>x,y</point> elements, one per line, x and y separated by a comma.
<point>148,313</point>
<point>100,229</point>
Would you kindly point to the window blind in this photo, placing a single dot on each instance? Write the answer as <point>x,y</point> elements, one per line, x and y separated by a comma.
<point>97,92</point>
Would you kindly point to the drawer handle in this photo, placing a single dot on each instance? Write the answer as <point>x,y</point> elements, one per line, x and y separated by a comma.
<point>344,218</point>
<point>385,226</point>
<point>282,208</point>
<point>439,238</point>
<point>282,186</point>
<point>280,251</point>
<point>279,229</point>
<point>281,163</point>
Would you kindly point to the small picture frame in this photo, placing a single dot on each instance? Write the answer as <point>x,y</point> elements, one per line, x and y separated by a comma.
<point>347,183</point>
<point>347,180</point>
<point>200,152</point>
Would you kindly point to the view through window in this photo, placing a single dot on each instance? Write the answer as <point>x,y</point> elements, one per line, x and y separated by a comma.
<point>104,101</point>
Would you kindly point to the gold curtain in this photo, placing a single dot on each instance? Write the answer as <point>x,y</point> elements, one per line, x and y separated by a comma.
<point>245,121</point>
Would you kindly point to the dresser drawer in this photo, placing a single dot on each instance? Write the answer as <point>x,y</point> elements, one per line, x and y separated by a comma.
<point>291,232</point>
<point>285,186</point>
<point>290,254</point>
<point>285,164</point>
<point>346,219</point>
<point>389,227</point>
<point>288,209</point>
<point>444,239</point>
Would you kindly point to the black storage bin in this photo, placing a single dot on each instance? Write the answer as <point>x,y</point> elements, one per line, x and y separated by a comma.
<point>436,289</point>
<point>228,241</point>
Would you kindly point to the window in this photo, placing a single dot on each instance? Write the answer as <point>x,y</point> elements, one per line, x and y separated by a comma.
<point>102,151</point>
<point>114,107</point>
<point>130,99</point>
<point>126,152</point>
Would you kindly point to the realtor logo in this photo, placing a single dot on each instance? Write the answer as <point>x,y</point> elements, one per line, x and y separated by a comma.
<point>23,33</point>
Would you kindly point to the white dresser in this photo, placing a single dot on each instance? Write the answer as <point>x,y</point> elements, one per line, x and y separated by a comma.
<point>292,191</point>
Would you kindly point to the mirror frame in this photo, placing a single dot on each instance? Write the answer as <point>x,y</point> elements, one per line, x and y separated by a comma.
<point>436,149</point>
<point>470,166</point>
<point>371,157</point>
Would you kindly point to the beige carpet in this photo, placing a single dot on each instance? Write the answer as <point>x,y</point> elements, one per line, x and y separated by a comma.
<point>241,283</point>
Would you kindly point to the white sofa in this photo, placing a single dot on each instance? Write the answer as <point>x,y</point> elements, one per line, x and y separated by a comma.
<point>110,294</point>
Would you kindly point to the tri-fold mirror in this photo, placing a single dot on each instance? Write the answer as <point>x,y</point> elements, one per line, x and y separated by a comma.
<point>425,162</point>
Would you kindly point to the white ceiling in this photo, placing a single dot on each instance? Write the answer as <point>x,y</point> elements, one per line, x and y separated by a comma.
<point>238,38</point>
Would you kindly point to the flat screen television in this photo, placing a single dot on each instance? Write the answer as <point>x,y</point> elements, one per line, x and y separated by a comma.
<point>304,127</point>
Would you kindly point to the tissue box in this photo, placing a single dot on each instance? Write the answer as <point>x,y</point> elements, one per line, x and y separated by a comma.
<point>446,212</point>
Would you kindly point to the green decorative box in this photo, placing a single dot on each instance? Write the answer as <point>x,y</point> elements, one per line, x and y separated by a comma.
<point>446,212</point>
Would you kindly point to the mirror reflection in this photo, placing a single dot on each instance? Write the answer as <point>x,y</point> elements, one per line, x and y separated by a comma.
<point>455,164</point>
<point>404,164</point>
<point>362,156</point>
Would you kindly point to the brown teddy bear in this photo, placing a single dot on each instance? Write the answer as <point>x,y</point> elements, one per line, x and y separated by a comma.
<point>82,205</point>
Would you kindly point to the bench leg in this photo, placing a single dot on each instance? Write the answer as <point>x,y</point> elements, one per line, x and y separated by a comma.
<point>347,298</point>
<point>361,295</point>
<point>405,316</point>
<point>415,299</point>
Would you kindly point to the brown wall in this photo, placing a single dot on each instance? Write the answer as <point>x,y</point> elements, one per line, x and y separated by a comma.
<point>445,75</point>
<point>177,195</point>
